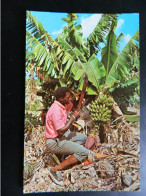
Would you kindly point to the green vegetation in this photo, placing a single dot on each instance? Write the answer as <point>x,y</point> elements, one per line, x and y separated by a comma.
<point>65,60</point>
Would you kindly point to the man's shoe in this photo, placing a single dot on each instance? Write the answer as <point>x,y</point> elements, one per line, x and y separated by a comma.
<point>55,178</point>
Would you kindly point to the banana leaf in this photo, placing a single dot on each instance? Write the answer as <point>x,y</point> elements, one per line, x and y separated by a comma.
<point>100,31</point>
<point>37,29</point>
<point>121,67</point>
<point>131,118</point>
<point>109,52</point>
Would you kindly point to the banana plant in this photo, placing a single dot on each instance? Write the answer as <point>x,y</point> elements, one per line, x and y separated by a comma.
<point>70,56</point>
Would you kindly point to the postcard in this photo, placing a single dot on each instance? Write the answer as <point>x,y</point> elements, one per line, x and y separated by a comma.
<point>82,102</point>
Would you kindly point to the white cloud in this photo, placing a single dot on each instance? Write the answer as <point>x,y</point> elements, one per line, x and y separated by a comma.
<point>56,32</point>
<point>127,38</point>
<point>125,41</point>
<point>119,26</point>
<point>88,24</point>
<point>120,23</point>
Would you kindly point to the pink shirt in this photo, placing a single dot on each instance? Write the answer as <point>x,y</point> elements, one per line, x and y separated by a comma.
<point>56,118</point>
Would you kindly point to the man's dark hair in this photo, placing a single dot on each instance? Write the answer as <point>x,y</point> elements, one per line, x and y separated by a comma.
<point>61,92</point>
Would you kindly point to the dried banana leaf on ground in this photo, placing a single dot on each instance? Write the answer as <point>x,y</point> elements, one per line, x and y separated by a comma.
<point>100,156</point>
<point>133,187</point>
<point>117,111</point>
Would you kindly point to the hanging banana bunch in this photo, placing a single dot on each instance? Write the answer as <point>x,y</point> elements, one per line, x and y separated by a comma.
<point>100,110</point>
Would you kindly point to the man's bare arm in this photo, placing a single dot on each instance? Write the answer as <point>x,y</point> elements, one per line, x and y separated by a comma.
<point>66,127</point>
<point>61,131</point>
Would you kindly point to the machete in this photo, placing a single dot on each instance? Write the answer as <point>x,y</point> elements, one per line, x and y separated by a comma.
<point>83,90</point>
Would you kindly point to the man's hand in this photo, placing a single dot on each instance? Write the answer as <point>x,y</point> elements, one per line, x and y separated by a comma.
<point>76,113</point>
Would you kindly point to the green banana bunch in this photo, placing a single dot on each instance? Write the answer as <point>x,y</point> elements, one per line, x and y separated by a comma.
<point>100,109</point>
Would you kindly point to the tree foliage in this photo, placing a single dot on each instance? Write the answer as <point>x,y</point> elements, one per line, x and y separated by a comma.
<point>69,56</point>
